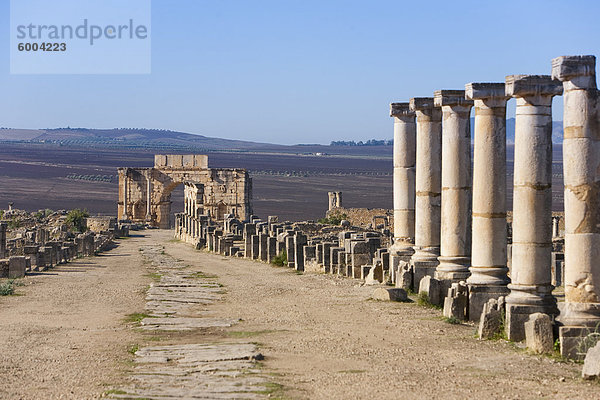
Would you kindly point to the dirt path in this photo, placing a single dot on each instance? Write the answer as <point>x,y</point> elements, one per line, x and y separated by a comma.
<point>325,339</point>
<point>64,335</point>
<point>321,335</point>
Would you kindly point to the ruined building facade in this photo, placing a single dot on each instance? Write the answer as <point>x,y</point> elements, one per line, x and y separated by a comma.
<point>145,193</point>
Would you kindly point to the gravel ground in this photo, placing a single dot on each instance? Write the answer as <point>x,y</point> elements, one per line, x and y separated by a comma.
<point>64,335</point>
<point>322,337</point>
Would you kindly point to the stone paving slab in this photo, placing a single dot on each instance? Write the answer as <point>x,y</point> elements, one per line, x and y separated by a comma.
<point>178,302</point>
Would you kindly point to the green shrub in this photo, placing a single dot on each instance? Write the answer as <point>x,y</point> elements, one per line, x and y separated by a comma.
<point>76,220</point>
<point>280,260</point>
<point>7,288</point>
<point>333,219</point>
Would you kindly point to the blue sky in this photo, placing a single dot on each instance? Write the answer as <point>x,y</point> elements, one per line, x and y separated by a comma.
<point>305,71</point>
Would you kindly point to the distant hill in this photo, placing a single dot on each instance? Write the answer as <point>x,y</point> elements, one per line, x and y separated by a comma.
<point>128,137</point>
<point>165,140</point>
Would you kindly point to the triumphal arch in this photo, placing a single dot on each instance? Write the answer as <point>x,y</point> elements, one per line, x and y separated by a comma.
<point>145,193</point>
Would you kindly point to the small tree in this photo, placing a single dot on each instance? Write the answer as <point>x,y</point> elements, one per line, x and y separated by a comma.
<point>76,220</point>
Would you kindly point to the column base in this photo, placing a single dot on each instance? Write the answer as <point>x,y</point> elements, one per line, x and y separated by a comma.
<point>575,341</point>
<point>479,295</point>
<point>422,269</point>
<point>518,314</point>
<point>455,269</point>
<point>451,270</point>
<point>580,314</point>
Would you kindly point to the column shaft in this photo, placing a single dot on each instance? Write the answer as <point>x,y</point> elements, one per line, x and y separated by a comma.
<point>125,194</point>
<point>455,247</point>
<point>427,187</point>
<point>488,253</point>
<point>148,198</point>
<point>530,287</point>
<point>404,179</point>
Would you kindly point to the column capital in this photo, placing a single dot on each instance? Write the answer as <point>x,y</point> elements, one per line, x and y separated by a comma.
<point>399,110</point>
<point>532,85</point>
<point>451,98</point>
<point>581,69</point>
<point>484,91</point>
<point>421,103</point>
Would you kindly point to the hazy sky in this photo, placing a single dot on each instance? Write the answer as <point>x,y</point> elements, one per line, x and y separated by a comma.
<point>287,71</point>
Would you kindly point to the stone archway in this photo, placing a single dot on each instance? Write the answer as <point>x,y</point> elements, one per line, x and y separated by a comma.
<point>145,193</point>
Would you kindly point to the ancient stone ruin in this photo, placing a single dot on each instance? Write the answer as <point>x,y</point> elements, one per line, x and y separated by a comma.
<point>453,239</point>
<point>42,243</point>
<point>145,193</point>
<point>449,205</point>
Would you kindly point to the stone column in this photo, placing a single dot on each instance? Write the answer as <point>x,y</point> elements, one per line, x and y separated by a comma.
<point>488,253</point>
<point>3,240</point>
<point>581,163</point>
<point>455,249</point>
<point>555,227</point>
<point>125,194</point>
<point>331,197</point>
<point>404,182</point>
<point>427,187</point>
<point>148,197</point>
<point>531,275</point>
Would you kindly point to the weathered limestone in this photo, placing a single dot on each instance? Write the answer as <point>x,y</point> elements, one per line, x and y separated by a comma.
<point>2,240</point>
<point>427,187</point>
<point>271,248</point>
<point>488,253</point>
<point>404,276</point>
<point>531,287</point>
<point>431,287</point>
<point>255,250</point>
<point>581,163</point>
<point>390,294</point>
<point>591,365</point>
<point>148,198</point>
<point>404,182</point>
<point>146,192</point>
<point>455,303</point>
<point>300,240</point>
<point>16,267</point>
<point>263,251</point>
<point>538,333</point>
<point>455,249</point>
<point>124,206</point>
<point>335,200</point>
<point>290,251</point>
<point>490,322</point>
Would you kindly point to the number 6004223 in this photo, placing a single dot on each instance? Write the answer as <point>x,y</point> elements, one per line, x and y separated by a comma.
<point>42,47</point>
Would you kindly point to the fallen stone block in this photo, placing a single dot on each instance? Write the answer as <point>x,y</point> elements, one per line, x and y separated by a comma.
<point>390,294</point>
<point>455,304</point>
<point>591,364</point>
<point>490,322</point>
<point>375,275</point>
<point>538,333</point>
<point>16,267</point>
<point>404,276</point>
<point>431,287</point>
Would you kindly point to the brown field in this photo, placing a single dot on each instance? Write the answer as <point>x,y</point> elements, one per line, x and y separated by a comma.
<point>34,176</point>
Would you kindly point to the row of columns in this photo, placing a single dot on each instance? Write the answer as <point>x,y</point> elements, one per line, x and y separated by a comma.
<point>437,199</point>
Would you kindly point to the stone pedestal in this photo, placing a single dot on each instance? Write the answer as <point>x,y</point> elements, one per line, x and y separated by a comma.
<point>531,287</point>
<point>404,181</point>
<point>455,249</point>
<point>427,187</point>
<point>488,253</point>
